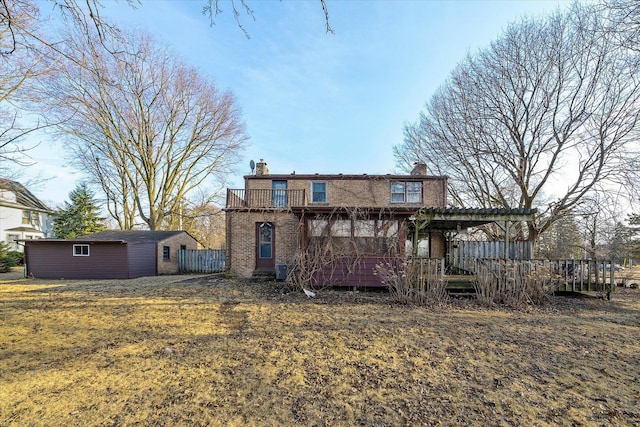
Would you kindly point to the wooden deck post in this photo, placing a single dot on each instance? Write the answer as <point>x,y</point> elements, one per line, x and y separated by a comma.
<point>507,224</point>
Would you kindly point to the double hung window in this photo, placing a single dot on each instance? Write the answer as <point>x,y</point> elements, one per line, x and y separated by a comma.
<point>319,192</point>
<point>31,217</point>
<point>406,192</point>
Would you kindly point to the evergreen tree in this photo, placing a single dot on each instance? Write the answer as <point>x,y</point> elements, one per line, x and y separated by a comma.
<point>8,258</point>
<point>627,242</point>
<point>80,216</point>
<point>561,241</point>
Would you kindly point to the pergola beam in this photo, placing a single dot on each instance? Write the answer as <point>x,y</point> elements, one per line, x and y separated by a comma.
<point>451,219</point>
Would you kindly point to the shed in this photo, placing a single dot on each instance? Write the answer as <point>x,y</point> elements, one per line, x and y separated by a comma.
<point>110,254</point>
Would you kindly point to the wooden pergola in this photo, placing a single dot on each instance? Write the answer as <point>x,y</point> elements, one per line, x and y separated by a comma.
<point>453,219</point>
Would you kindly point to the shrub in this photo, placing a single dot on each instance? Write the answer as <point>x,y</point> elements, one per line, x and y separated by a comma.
<point>8,258</point>
<point>414,281</point>
<point>513,283</point>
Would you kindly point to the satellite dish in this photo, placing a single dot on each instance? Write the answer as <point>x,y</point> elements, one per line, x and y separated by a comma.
<point>252,165</point>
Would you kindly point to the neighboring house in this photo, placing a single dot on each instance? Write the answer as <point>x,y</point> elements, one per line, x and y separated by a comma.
<point>110,254</point>
<point>22,215</point>
<point>366,218</point>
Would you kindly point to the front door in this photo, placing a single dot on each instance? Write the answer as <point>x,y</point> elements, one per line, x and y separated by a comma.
<point>265,250</point>
<point>279,190</point>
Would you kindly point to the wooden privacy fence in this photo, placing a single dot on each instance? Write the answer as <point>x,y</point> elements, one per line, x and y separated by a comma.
<point>462,254</point>
<point>202,261</point>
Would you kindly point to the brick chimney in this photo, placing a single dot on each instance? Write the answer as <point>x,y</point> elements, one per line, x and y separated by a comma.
<point>419,168</point>
<point>261,168</point>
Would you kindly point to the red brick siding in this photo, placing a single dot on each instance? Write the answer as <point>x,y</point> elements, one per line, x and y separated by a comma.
<point>365,192</point>
<point>242,240</point>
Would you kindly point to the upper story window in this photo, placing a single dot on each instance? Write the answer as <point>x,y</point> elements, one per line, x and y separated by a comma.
<point>80,250</point>
<point>406,192</point>
<point>319,192</point>
<point>30,217</point>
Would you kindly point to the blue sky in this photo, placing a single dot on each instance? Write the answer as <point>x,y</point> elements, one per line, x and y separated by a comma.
<point>316,102</point>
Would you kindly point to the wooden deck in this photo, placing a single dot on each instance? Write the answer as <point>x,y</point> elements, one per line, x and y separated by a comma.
<point>567,275</point>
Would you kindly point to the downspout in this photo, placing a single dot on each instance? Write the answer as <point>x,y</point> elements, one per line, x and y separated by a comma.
<point>24,252</point>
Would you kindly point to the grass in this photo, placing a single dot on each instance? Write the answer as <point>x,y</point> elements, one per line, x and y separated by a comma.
<point>209,351</point>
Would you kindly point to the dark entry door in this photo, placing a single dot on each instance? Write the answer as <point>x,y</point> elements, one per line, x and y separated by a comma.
<point>265,249</point>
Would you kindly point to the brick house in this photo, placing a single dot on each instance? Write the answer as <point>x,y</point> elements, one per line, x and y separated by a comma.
<point>365,218</point>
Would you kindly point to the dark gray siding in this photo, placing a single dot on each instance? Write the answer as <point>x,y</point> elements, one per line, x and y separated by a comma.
<point>55,260</point>
<point>142,259</point>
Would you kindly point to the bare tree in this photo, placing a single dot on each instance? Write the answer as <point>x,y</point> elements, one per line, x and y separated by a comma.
<point>20,62</point>
<point>87,14</point>
<point>202,219</point>
<point>213,8</point>
<point>624,17</point>
<point>145,127</point>
<point>543,117</point>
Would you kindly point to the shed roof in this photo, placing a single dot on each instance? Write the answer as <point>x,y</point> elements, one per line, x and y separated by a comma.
<point>131,236</point>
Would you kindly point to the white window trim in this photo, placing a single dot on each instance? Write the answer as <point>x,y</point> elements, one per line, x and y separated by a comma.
<point>81,254</point>
<point>406,192</point>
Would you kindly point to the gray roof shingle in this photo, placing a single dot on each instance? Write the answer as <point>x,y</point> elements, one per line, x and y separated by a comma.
<point>24,197</point>
<point>131,236</point>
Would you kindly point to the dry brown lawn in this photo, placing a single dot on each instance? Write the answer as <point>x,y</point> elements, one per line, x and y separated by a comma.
<point>210,351</point>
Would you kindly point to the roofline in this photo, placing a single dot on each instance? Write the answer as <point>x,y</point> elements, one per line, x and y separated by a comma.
<point>340,176</point>
<point>134,241</point>
<point>79,241</point>
<point>22,191</point>
<point>16,205</point>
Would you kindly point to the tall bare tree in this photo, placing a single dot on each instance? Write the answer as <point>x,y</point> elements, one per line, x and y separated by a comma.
<point>145,127</point>
<point>624,17</point>
<point>21,60</point>
<point>205,222</point>
<point>544,116</point>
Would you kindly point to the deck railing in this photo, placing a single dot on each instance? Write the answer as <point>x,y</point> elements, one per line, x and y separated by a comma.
<point>241,198</point>
<point>567,274</point>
